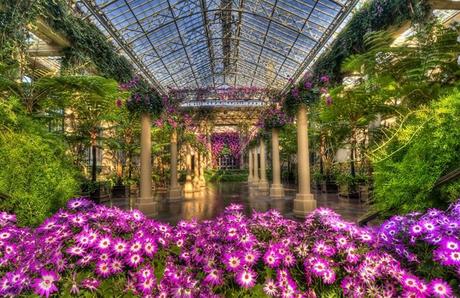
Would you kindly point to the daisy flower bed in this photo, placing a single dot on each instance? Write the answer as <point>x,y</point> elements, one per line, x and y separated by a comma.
<point>91,250</point>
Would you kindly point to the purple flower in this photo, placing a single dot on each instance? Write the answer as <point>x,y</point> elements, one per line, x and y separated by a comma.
<point>246,278</point>
<point>45,284</point>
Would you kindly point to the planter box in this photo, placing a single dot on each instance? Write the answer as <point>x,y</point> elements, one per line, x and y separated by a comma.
<point>119,191</point>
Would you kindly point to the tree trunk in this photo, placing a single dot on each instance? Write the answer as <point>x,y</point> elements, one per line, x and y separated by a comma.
<point>94,160</point>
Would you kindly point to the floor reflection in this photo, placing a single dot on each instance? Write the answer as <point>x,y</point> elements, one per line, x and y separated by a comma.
<point>211,201</point>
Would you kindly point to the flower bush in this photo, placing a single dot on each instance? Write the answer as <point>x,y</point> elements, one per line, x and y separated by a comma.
<point>428,241</point>
<point>88,249</point>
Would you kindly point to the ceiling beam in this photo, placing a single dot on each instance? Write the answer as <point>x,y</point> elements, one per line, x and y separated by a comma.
<point>346,10</point>
<point>445,4</point>
<point>122,44</point>
<point>44,50</point>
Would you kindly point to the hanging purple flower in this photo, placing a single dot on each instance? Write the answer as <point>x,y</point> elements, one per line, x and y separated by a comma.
<point>308,85</point>
<point>295,92</point>
<point>325,79</point>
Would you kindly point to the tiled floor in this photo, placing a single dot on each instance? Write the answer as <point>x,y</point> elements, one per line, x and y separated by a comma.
<point>211,201</point>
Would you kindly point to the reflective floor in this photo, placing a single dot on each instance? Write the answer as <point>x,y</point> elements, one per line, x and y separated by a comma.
<point>211,201</point>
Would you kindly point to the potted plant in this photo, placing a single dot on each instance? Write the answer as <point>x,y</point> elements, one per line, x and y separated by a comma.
<point>318,180</point>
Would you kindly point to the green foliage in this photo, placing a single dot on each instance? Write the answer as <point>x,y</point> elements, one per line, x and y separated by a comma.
<point>409,74</point>
<point>423,147</point>
<point>374,15</point>
<point>14,14</point>
<point>87,42</point>
<point>36,174</point>
<point>226,175</point>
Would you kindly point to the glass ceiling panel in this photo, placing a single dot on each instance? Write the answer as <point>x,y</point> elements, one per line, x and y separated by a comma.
<point>211,43</point>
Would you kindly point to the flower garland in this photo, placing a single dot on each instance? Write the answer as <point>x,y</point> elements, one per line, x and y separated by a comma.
<point>143,98</point>
<point>229,140</point>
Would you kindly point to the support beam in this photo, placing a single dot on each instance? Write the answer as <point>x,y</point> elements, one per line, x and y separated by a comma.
<point>175,192</point>
<point>263,183</point>
<point>276,189</point>
<point>188,186</point>
<point>256,177</point>
<point>445,4</point>
<point>304,202</point>
<point>196,171</point>
<point>44,50</point>
<point>145,202</point>
<point>201,160</point>
<point>250,167</point>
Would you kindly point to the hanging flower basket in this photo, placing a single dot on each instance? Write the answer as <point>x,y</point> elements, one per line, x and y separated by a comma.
<point>273,118</point>
<point>143,98</point>
<point>307,92</point>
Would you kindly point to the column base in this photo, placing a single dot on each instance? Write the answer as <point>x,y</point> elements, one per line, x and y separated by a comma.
<point>254,184</point>
<point>263,185</point>
<point>188,186</point>
<point>202,183</point>
<point>277,191</point>
<point>304,204</point>
<point>175,193</point>
<point>147,205</point>
<point>196,184</point>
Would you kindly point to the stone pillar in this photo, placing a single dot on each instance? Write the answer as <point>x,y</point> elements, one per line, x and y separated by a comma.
<point>208,151</point>
<point>256,179</point>
<point>188,186</point>
<point>250,167</point>
<point>175,192</point>
<point>304,201</point>
<point>263,183</point>
<point>196,171</point>
<point>145,202</point>
<point>276,189</point>
<point>201,170</point>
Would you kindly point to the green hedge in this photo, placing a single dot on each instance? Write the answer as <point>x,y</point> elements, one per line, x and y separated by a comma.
<point>36,175</point>
<point>226,175</point>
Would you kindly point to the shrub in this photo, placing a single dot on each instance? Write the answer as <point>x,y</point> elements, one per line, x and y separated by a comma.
<point>424,148</point>
<point>36,176</point>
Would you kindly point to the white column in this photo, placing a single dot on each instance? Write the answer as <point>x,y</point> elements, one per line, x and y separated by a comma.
<point>304,201</point>
<point>256,179</point>
<point>250,167</point>
<point>145,202</point>
<point>263,183</point>
<point>276,189</point>
<point>201,163</point>
<point>188,186</point>
<point>174,189</point>
<point>196,171</point>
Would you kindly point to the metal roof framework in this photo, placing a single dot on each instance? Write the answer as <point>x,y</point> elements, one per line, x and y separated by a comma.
<point>214,44</point>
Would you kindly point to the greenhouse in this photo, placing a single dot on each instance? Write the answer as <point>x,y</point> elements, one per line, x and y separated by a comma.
<point>230,148</point>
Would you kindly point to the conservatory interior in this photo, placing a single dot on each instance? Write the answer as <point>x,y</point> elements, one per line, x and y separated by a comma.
<point>230,148</point>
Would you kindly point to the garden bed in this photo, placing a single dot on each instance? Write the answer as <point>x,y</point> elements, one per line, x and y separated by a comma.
<point>88,249</point>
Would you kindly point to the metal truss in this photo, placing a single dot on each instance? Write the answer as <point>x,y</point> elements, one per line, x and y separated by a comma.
<point>219,43</point>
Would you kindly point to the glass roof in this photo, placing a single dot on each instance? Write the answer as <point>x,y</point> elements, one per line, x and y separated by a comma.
<point>219,43</point>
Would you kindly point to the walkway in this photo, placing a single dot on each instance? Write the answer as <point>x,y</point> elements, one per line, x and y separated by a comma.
<point>212,201</point>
